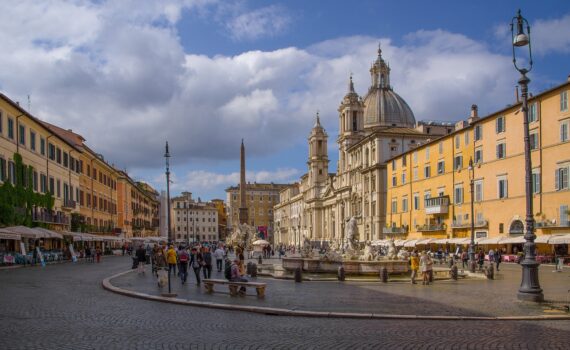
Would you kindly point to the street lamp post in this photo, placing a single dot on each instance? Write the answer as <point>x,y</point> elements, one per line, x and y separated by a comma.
<point>472,243</point>
<point>530,289</point>
<point>187,222</point>
<point>167,156</point>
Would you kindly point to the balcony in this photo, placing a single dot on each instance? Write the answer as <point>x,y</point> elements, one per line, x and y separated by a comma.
<point>467,224</point>
<point>437,205</point>
<point>394,230</point>
<point>49,218</point>
<point>432,228</point>
<point>68,204</point>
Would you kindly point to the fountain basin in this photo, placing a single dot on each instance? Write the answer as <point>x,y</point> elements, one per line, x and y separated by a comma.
<point>351,267</point>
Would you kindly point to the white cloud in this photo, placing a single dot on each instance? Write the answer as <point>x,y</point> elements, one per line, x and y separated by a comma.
<point>263,22</point>
<point>551,35</point>
<point>125,83</point>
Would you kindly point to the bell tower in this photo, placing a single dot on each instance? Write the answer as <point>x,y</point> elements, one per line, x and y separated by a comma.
<point>318,161</point>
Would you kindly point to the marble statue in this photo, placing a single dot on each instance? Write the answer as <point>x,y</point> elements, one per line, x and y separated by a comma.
<point>368,252</point>
<point>392,251</point>
<point>350,234</point>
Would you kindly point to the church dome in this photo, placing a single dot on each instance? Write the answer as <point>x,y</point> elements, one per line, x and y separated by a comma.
<point>382,106</point>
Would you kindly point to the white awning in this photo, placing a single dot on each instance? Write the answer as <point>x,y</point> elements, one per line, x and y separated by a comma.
<point>50,233</point>
<point>4,234</point>
<point>492,240</point>
<point>562,239</point>
<point>460,241</point>
<point>513,240</point>
<point>411,243</point>
<point>27,232</point>
<point>425,241</point>
<point>380,242</point>
<point>399,242</point>
<point>442,241</point>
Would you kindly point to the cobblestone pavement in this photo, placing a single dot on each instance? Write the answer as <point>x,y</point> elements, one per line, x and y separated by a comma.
<point>64,307</point>
<point>473,297</point>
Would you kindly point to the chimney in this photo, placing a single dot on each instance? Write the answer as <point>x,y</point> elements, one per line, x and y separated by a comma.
<point>474,114</point>
<point>517,93</point>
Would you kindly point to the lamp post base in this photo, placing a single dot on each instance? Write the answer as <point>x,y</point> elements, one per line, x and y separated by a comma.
<point>530,288</point>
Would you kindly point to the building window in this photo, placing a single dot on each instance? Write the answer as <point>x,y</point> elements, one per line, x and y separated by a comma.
<point>561,179</point>
<point>394,181</point>
<point>2,169</point>
<point>478,132</point>
<point>478,156</point>
<point>427,153</point>
<point>405,204</point>
<point>500,125</point>
<point>404,161</point>
<point>501,150</point>
<point>440,148</point>
<point>535,182</point>
<point>458,162</point>
<point>466,138</point>
<point>12,172</point>
<point>416,201</point>
<point>394,205</point>
<point>533,140</point>
<point>427,171</point>
<point>415,173</point>
<point>11,128</point>
<point>563,101</point>
<point>393,164</point>
<point>502,190</point>
<point>43,183</point>
<point>58,155</point>
<point>441,167</point>
<point>458,198</point>
<point>403,178</point>
<point>478,191</point>
<point>32,140</point>
<point>42,146</point>
<point>22,135</point>
<point>415,157</point>
<point>65,159</point>
<point>564,131</point>
<point>457,141</point>
<point>1,123</point>
<point>532,116</point>
<point>35,181</point>
<point>564,215</point>
<point>51,186</point>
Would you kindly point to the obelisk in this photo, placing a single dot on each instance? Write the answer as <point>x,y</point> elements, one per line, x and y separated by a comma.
<point>242,185</point>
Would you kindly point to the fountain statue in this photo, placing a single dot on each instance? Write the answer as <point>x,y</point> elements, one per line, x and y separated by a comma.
<point>368,252</point>
<point>392,251</point>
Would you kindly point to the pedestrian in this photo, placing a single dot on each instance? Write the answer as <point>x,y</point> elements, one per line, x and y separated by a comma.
<point>183,259</point>
<point>491,256</point>
<point>123,248</point>
<point>481,259</point>
<point>98,254</point>
<point>236,275</point>
<point>207,267</point>
<point>241,263</point>
<point>88,253</point>
<point>425,267</point>
<point>196,261</point>
<point>464,259</point>
<point>498,257</point>
<point>171,259</point>
<point>219,255</point>
<point>141,258</point>
<point>415,265</point>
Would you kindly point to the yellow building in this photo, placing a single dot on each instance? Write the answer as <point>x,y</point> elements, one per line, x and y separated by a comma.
<point>138,208</point>
<point>54,160</point>
<point>222,218</point>
<point>260,200</point>
<point>429,187</point>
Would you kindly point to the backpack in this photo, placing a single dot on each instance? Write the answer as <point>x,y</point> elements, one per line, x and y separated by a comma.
<point>228,271</point>
<point>183,257</point>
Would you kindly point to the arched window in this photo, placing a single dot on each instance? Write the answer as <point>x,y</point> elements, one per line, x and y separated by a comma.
<point>354,121</point>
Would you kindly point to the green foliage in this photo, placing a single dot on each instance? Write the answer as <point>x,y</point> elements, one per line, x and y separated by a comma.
<point>17,202</point>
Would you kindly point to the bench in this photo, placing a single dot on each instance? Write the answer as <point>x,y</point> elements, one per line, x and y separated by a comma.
<point>233,286</point>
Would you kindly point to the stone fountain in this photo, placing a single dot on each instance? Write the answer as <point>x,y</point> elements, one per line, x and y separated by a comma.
<point>357,259</point>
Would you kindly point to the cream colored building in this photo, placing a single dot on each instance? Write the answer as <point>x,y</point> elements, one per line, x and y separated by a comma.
<point>55,162</point>
<point>429,187</point>
<point>194,221</point>
<point>371,130</point>
<point>260,199</point>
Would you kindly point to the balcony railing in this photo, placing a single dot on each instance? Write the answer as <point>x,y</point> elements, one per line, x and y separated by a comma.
<point>69,204</point>
<point>434,227</point>
<point>466,224</point>
<point>552,224</point>
<point>395,230</point>
<point>437,205</point>
<point>49,218</point>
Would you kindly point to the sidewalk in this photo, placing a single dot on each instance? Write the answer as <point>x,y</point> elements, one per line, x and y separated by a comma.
<point>478,298</point>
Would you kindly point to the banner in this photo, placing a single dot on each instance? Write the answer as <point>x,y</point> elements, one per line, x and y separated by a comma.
<point>23,249</point>
<point>40,256</point>
<point>73,256</point>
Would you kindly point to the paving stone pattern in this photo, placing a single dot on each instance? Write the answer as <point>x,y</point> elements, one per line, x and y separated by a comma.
<point>64,307</point>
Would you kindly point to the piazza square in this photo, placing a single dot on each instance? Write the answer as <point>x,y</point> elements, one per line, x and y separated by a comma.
<point>236,175</point>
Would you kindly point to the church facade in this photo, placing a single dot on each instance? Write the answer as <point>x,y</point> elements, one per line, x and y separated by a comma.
<point>372,130</point>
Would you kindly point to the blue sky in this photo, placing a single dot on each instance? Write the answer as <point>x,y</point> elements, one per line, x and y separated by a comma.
<point>203,74</point>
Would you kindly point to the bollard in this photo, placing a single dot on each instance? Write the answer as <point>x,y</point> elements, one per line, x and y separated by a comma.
<point>490,272</point>
<point>384,275</point>
<point>253,272</point>
<point>453,272</point>
<point>298,275</point>
<point>259,261</point>
<point>341,275</point>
